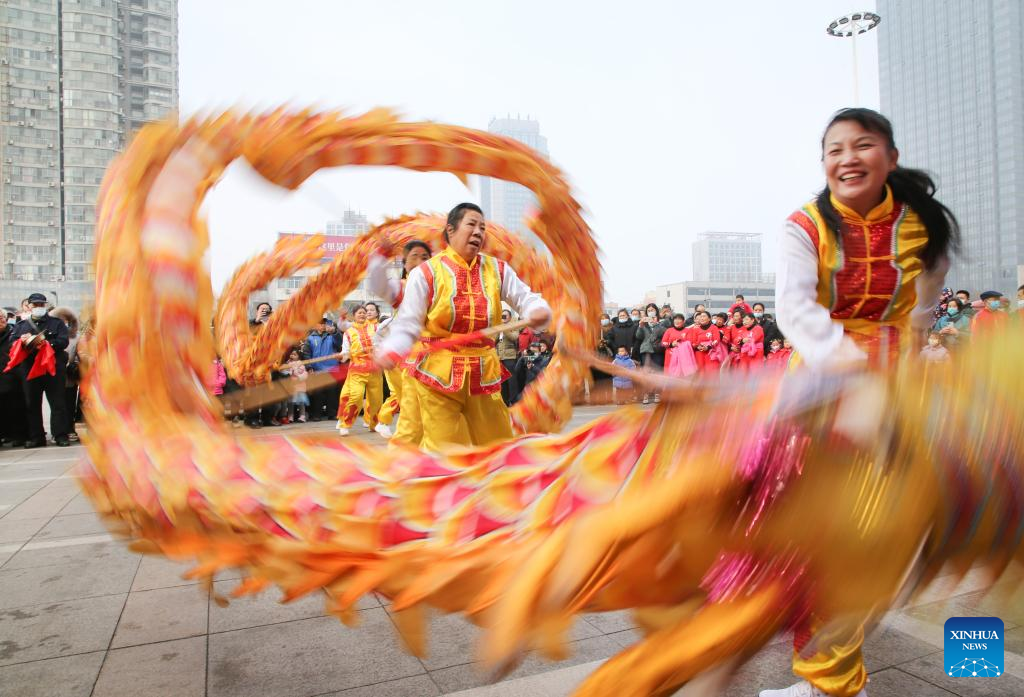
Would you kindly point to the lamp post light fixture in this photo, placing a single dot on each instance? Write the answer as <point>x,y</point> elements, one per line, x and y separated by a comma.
<point>848,27</point>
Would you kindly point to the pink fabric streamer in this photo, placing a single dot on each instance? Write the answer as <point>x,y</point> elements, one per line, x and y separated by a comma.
<point>680,361</point>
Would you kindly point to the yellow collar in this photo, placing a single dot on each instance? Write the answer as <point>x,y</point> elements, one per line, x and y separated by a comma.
<point>457,258</point>
<point>879,212</point>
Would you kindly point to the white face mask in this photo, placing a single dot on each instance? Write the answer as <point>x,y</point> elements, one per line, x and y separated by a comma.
<point>38,312</point>
<point>636,318</point>
<point>652,314</point>
<point>1020,303</point>
<point>604,322</point>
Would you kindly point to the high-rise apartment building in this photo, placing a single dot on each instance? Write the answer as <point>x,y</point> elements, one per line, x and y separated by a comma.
<point>730,257</point>
<point>77,79</point>
<point>952,82</point>
<point>504,202</point>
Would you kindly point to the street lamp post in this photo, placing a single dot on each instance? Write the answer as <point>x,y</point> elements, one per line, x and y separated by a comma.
<point>848,27</point>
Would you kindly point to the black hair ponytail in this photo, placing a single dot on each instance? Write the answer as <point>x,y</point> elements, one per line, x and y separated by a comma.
<point>913,187</point>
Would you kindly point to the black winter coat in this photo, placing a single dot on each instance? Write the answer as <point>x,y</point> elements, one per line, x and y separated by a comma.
<point>621,334</point>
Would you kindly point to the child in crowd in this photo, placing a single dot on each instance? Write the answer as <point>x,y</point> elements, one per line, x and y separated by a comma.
<point>298,373</point>
<point>935,352</point>
<point>779,353</point>
<point>622,387</point>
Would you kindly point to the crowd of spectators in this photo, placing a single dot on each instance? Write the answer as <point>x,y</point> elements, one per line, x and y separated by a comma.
<point>44,349</point>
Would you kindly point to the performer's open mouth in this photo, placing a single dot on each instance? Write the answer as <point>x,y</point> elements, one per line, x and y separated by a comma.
<point>476,241</point>
<point>852,177</point>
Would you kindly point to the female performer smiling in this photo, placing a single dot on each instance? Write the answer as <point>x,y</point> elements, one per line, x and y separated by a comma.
<point>860,267</point>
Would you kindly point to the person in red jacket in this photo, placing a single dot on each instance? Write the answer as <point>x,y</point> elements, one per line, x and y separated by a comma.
<point>706,339</point>
<point>741,305</point>
<point>751,344</point>
<point>990,316</point>
<point>731,334</point>
<point>676,334</point>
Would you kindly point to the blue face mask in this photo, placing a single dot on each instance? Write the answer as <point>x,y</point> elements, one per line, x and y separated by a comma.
<point>993,304</point>
<point>951,311</point>
<point>758,315</point>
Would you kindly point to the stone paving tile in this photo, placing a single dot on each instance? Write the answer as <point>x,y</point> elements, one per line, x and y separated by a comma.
<point>70,676</point>
<point>72,526</point>
<point>769,669</point>
<point>931,669</point>
<point>466,676</point>
<point>890,647</point>
<point>42,584</point>
<point>79,504</point>
<point>56,629</point>
<point>170,668</point>
<point>161,572</point>
<point>15,530</point>
<point>893,682</point>
<point>266,608</point>
<point>107,552</point>
<point>453,640</point>
<point>416,686</point>
<point>46,502</point>
<point>307,657</point>
<point>162,615</point>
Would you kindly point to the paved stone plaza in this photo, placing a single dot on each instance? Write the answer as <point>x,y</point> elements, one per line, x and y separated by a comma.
<point>80,615</point>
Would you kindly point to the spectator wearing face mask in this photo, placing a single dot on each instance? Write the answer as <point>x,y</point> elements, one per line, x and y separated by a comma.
<point>43,370</point>
<point>1020,302</point>
<point>991,315</point>
<point>649,332</point>
<point>935,352</point>
<point>779,353</point>
<point>954,326</point>
<point>763,320</point>
<point>965,301</point>
<point>622,333</point>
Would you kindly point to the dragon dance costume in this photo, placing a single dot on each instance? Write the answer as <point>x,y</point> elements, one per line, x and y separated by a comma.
<point>724,516</point>
<point>364,377</point>
<point>869,290</point>
<point>445,296</point>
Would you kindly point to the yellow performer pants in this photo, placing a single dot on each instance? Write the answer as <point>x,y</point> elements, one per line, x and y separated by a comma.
<point>441,412</point>
<point>410,427</point>
<point>837,669</point>
<point>356,386</point>
<point>393,404</point>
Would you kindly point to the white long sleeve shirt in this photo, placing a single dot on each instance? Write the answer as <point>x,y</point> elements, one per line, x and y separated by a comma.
<point>407,326</point>
<point>809,325</point>
<point>378,282</point>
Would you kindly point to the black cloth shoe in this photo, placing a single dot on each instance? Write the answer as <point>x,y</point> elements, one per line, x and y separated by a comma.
<point>38,443</point>
<point>62,441</point>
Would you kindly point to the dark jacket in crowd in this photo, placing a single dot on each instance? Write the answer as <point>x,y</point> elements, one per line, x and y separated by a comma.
<point>621,334</point>
<point>55,332</point>
<point>9,382</point>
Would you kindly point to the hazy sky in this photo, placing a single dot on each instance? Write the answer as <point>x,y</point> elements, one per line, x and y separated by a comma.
<point>669,118</point>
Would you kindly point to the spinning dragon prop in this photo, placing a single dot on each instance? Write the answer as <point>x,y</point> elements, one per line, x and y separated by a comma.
<point>727,514</point>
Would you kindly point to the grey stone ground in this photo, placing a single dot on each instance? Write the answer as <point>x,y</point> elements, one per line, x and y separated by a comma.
<point>80,615</point>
